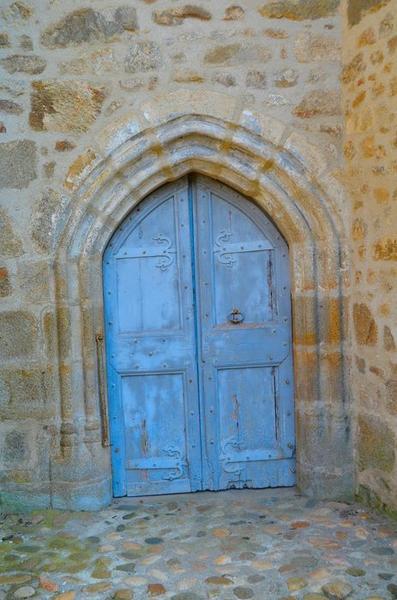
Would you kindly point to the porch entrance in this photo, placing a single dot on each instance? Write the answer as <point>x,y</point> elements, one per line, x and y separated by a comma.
<point>198,339</point>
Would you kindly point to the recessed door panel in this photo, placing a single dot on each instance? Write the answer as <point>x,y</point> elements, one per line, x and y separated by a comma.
<point>155,432</point>
<point>148,261</point>
<point>198,339</point>
<point>254,300</point>
<point>247,416</point>
<point>148,312</point>
<point>241,253</point>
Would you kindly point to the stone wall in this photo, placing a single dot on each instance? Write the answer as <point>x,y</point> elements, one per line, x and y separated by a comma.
<point>68,71</point>
<point>369,80</point>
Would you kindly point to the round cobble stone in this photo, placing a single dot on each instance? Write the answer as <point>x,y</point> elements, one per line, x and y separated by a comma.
<point>26,591</point>
<point>243,593</point>
<point>392,588</point>
<point>355,572</point>
<point>337,590</point>
<point>382,550</point>
<point>123,595</point>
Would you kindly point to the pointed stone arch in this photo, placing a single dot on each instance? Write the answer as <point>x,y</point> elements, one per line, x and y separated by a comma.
<point>287,177</point>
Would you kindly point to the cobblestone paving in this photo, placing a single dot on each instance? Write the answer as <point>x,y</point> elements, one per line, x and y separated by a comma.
<point>264,544</point>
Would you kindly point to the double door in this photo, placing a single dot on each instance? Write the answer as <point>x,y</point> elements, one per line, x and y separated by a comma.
<point>198,340</point>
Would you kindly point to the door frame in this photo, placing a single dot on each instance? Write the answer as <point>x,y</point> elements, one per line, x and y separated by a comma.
<point>284,175</point>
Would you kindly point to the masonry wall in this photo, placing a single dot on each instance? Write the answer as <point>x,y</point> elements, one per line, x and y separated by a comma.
<point>67,70</point>
<point>370,100</point>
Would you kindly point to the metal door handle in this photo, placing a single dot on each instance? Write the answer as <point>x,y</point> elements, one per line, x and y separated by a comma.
<point>103,403</point>
<point>236,316</point>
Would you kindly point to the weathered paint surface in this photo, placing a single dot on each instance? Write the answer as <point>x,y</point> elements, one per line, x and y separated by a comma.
<point>197,306</point>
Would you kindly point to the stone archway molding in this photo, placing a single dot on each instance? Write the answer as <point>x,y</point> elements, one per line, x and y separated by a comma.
<point>293,182</point>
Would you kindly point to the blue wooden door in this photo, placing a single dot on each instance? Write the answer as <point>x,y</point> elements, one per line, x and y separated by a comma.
<point>151,348</point>
<point>245,342</point>
<point>198,337</point>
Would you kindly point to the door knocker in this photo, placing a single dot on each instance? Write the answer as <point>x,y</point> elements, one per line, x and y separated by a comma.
<point>236,316</point>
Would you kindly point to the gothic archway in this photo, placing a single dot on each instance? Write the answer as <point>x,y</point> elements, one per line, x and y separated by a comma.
<point>285,176</point>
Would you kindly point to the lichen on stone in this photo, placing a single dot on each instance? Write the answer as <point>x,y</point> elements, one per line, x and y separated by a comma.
<point>45,216</point>
<point>233,13</point>
<point>176,16</point>
<point>21,63</point>
<point>385,249</point>
<point>18,334</point>
<point>86,25</point>
<point>319,103</point>
<point>17,11</point>
<point>357,9</point>
<point>4,40</point>
<point>10,243</point>
<point>376,444</point>
<point>299,10</point>
<point>365,326</point>
<point>5,283</point>
<point>237,54</point>
<point>143,56</point>
<point>10,107</point>
<point>18,164</point>
<point>65,106</point>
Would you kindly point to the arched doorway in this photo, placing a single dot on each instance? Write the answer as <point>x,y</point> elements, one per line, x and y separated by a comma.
<point>199,352</point>
<point>294,183</point>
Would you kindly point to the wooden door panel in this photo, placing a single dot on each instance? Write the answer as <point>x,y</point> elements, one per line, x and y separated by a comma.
<point>249,426</point>
<point>245,344</point>
<point>155,433</point>
<point>250,344</point>
<point>146,263</point>
<point>148,311</point>
<point>151,348</point>
<point>241,253</point>
<point>247,410</point>
<point>254,300</point>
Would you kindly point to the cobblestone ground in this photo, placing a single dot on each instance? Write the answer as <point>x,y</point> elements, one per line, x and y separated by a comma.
<point>265,544</point>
